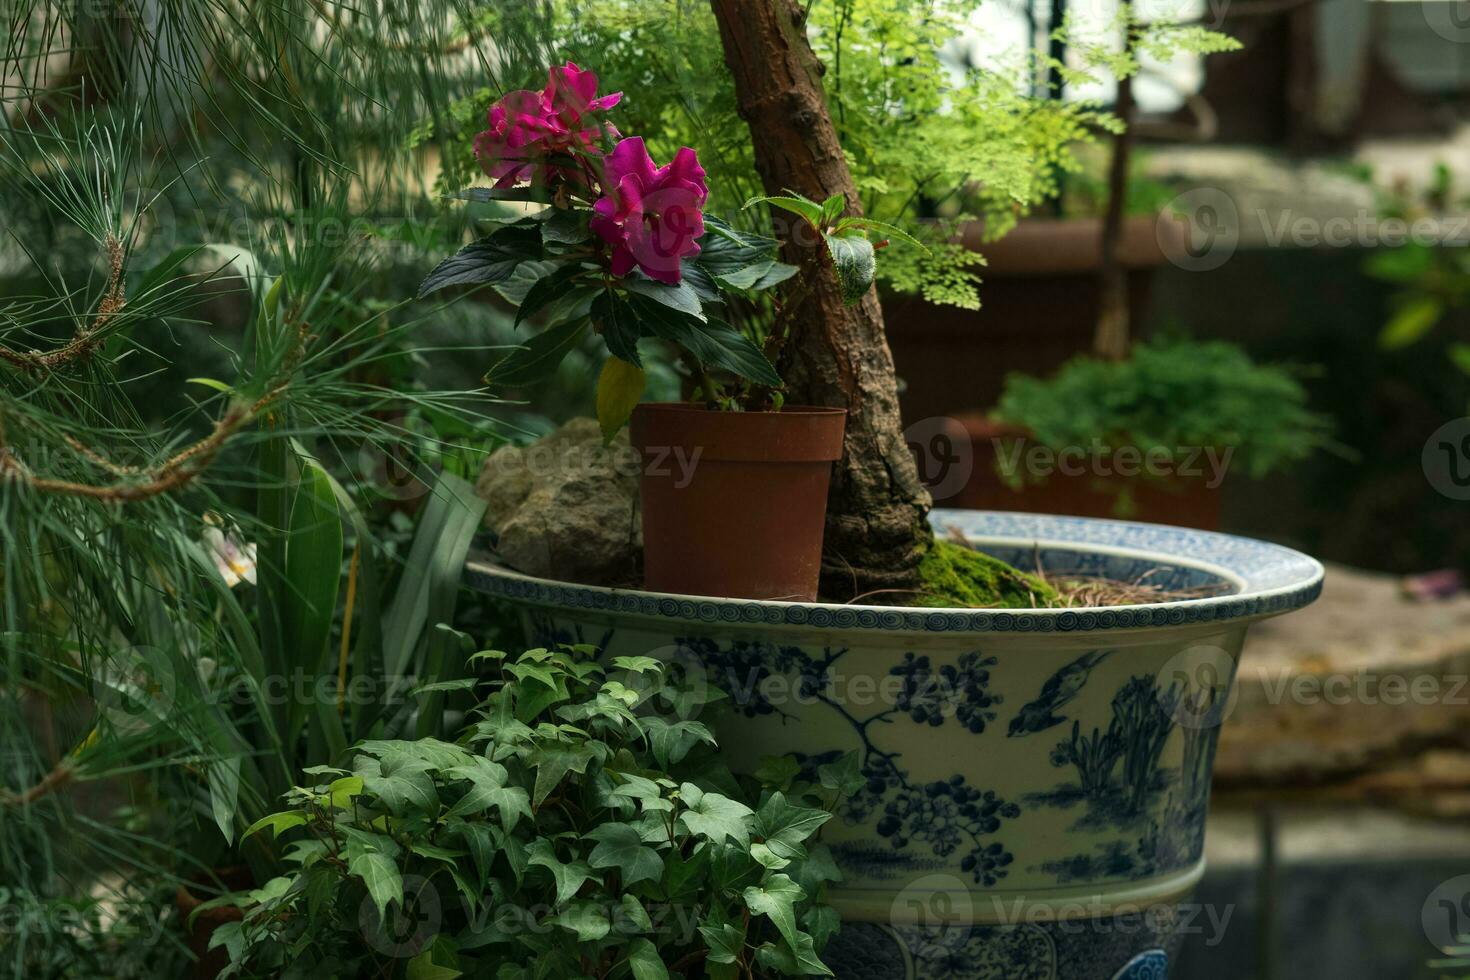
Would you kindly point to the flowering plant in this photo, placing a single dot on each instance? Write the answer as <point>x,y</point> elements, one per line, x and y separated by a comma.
<point>625,247</point>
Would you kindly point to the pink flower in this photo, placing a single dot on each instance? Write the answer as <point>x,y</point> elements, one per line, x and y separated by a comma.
<point>650,216</point>
<point>537,135</point>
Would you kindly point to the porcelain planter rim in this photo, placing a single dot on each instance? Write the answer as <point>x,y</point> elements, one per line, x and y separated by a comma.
<point>1265,580</point>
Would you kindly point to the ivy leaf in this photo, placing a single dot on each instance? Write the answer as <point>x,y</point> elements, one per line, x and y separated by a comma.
<point>715,816</point>
<point>726,940</point>
<point>485,778</point>
<point>342,790</point>
<point>644,790</point>
<point>776,900</point>
<point>768,858</point>
<point>685,879</point>
<point>277,822</point>
<point>680,298</point>
<point>635,914</point>
<point>538,357</point>
<point>793,959</point>
<point>492,259</point>
<point>552,763</point>
<point>480,839</point>
<point>644,961</point>
<point>621,846</point>
<point>783,826</point>
<point>822,923</point>
<point>404,791</point>
<point>586,919</point>
<point>619,387</point>
<point>381,877</point>
<point>777,771</point>
<point>852,255</point>
<point>845,775</point>
<point>423,967</point>
<point>568,877</point>
<point>671,741</point>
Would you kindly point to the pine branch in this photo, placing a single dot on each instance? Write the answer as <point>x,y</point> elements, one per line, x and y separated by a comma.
<point>88,337</point>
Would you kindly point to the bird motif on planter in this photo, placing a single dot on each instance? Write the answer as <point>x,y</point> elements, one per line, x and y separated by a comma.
<point>1059,689</point>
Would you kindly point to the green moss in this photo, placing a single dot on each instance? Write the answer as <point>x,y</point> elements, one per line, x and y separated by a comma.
<point>958,577</point>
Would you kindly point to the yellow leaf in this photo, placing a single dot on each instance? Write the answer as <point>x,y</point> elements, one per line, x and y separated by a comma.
<point>618,390</point>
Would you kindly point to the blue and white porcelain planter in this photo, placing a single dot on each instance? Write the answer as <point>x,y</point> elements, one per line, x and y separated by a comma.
<point>1037,779</point>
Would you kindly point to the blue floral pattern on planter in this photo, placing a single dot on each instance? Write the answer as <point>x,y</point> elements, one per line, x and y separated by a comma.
<point>1024,756</point>
<point>1151,964</point>
<point>944,815</point>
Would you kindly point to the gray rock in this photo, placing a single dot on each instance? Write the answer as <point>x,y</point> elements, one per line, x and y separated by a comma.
<point>566,507</point>
<point>1362,679</point>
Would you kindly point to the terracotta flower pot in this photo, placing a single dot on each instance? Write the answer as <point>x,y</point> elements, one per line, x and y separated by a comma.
<point>734,502</point>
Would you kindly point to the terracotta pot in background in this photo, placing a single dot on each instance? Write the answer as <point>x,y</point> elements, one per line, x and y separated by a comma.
<point>209,963</point>
<point>1040,302</point>
<point>1184,501</point>
<point>734,503</point>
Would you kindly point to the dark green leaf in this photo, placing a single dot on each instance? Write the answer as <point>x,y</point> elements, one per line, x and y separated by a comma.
<point>620,328</point>
<point>776,899</point>
<point>568,876</point>
<point>563,226</point>
<point>832,209</point>
<point>712,343</point>
<point>621,846</point>
<point>715,816</point>
<point>492,259</point>
<point>545,290</point>
<point>483,195</point>
<point>845,775</point>
<point>644,961</point>
<point>537,357</point>
<point>380,875</point>
<point>783,825</point>
<point>552,763</point>
<point>807,209</point>
<point>681,298</point>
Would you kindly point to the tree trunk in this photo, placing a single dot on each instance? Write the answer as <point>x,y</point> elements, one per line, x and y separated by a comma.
<point>836,355</point>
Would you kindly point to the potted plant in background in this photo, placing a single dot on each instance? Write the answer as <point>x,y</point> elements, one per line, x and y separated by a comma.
<point>1151,436</point>
<point>1039,744</point>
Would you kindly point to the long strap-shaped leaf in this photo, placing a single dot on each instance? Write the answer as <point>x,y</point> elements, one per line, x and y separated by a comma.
<point>429,587</point>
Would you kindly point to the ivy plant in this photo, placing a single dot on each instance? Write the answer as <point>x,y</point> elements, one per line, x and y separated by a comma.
<point>582,826</point>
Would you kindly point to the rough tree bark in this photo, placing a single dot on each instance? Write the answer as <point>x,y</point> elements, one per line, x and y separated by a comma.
<point>836,355</point>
